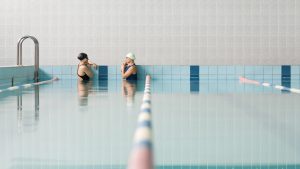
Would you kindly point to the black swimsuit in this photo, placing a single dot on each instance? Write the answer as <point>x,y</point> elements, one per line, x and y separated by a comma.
<point>85,77</point>
<point>132,76</point>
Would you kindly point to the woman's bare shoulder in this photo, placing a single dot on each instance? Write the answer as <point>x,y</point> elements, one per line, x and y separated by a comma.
<point>83,67</point>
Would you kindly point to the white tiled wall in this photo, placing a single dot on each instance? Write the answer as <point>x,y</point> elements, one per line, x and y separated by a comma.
<point>177,32</point>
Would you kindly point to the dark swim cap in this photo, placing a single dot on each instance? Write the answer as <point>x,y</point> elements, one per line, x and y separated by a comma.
<point>82,56</point>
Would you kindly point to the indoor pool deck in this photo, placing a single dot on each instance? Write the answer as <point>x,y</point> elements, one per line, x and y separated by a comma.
<point>209,124</point>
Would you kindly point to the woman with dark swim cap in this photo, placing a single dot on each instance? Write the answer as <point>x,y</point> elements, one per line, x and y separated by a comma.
<point>84,71</point>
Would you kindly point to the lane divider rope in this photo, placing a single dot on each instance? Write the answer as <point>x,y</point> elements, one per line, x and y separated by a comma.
<point>266,84</point>
<point>141,154</point>
<point>24,86</point>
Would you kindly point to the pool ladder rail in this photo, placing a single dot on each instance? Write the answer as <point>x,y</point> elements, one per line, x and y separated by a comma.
<point>36,55</point>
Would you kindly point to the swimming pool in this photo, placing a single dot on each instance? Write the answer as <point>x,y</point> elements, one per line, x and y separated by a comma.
<point>207,124</point>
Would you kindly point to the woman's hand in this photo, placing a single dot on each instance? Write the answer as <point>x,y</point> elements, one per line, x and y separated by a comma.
<point>93,64</point>
<point>123,66</point>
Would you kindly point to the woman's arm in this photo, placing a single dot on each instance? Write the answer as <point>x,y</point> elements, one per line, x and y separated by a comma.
<point>88,71</point>
<point>130,71</point>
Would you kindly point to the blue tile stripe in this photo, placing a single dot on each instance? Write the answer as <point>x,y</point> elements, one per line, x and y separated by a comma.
<point>286,76</point>
<point>194,72</point>
<point>194,78</point>
<point>286,70</point>
<point>103,72</point>
<point>168,72</point>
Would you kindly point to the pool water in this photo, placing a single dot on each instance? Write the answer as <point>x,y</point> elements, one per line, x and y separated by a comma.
<point>217,124</point>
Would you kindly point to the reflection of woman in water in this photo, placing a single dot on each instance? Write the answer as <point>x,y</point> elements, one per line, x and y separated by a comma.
<point>84,70</point>
<point>128,68</point>
<point>129,89</point>
<point>83,88</point>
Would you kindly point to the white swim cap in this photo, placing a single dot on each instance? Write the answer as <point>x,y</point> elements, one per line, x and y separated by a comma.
<point>130,56</point>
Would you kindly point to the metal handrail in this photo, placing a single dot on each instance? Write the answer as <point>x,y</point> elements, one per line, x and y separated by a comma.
<point>36,55</point>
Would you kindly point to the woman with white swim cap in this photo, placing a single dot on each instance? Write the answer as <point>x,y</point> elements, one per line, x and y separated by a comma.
<point>128,68</point>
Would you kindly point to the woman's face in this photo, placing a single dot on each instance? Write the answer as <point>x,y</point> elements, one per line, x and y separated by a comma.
<point>128,60</point>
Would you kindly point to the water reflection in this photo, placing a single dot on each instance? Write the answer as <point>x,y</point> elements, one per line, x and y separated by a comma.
<point>128,91</point>
<point>28,120</point>
<point>103,86</point>
<point>86,88</point>
<point>83,89</point>
<point>286,82</point>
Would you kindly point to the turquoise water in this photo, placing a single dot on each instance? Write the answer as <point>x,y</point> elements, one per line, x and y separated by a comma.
<point>221,124</point>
